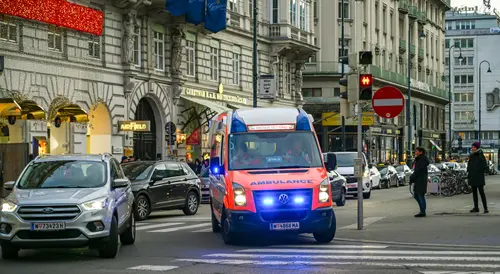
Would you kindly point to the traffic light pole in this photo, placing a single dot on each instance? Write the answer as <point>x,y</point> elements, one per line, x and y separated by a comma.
<point>254,70</point>
<point>342,37</point>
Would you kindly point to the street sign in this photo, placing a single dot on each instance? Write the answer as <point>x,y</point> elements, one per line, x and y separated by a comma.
<point>267,87</point>
<point>388,102</point>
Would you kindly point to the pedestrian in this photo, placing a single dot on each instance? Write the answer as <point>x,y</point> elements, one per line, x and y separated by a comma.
<point>124,159</point>
<point>476,169</point>
<point>419,180</point>
<point>197,163</point>
<point>131,158</point>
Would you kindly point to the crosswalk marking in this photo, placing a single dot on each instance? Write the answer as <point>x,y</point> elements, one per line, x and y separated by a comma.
<point>456,272</point>
<point>141,224</point>
<point>366,222</point>
<point>203,230</point>
<point>332,246</point>
<point>157,226</point>
<point>180,228</point>
<point>380,252</point>
<point>154,267</point>
<point>183,219</point>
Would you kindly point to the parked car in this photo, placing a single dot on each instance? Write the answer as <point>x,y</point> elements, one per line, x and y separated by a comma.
<point>404,173</point>
<point>463,167</point>
<point>441,166</point>
<point>453,165</point>
<point>375,177</point>
<point>163,185</point>
<point>345,167</point>
<point>68,201</point>
<point>431,168</point>
<point>388,176</point>
<point>205,185</point>
<point>339,187</point>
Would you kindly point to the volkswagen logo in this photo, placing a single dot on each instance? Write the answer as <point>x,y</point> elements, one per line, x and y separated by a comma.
<point>283,198</point>
<point>47,210</point>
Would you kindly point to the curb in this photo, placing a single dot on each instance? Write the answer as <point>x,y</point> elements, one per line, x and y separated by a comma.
<point>417,244</point>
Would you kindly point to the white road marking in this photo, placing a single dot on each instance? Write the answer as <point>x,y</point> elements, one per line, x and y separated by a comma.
<point>203,230</point>
<point>455,272</point>
<point>333,246</point>
<point>180,228</point>
<point>347,257</point>
<point>153,267</point>
<point>376,252</point>
<point>187,219</point>
<point>366,222</point>
<point>387,102</point>
<point>157,226</point>
<point>382,264</point>
<point>141,224</point>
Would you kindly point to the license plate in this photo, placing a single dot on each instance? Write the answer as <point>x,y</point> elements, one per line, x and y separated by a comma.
<point>47,226</point>
<point>285,226</point>
<point>353,185</point>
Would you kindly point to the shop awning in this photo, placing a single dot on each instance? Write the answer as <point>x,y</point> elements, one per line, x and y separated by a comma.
<point>434,144</point>
<point>211,105</point>
<point>73,113</point>
<point>26,110</point>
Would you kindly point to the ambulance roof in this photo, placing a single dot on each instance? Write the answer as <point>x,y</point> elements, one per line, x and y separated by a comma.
<point>264,116</point>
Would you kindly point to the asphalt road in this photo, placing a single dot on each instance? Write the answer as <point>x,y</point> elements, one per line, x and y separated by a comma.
<point>169,242</point>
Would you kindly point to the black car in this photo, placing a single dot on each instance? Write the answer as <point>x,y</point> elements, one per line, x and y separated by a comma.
<point>388,176</point>
<point>163,185</point>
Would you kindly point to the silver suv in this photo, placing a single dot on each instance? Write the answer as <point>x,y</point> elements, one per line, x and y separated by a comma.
<point>68,201</point>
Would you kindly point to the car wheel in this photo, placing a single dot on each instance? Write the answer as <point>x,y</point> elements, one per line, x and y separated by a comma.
<point>128,236</point>
<point>9,251</point>
<point>215,223</point>
<point>228,237</point>
<point>327,235</point>
<point>341,201</point>
<point>110,249</point>
<point>192,203</point>
<point>142,208</point>
<point>388,184</point>
<point>367,195</point>
<point>397,182</point>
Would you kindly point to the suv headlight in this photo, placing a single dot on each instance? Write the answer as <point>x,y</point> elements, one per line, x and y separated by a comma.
<point>8,207</point>
<point>323,191</point>
<point>240,198</point>
<point>96,204</point>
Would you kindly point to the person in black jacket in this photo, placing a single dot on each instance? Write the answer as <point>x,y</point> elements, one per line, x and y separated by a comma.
<point>476,169</point>
<point>419,180</point>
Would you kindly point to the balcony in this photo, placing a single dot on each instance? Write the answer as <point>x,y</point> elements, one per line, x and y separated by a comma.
<point>292,41</point>
<point>422,17</point>
<point>404,6</point>
<point>402,45</point>
<point>412,50</point>
<point>325,68</point>
<point>420,54</point>
<point>413,13</point>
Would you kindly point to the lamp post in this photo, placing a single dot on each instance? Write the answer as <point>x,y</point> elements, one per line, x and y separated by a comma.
<point>479,101</point>
<point>460,58</point>
<point>408,105</point>
<point>254,61</point>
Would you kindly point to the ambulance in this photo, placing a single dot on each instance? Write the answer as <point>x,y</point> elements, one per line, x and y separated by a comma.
<point>267,175</point>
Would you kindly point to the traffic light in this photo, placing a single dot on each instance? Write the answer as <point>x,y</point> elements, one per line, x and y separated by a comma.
<point>365,58</point>
<point>459,142</point>
<point>343,88</point>
<point>365,87</point>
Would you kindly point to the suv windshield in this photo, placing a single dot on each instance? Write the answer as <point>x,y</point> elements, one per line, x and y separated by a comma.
<point>267,150</point>
<point>346,159</point>
<point>383,171</point>
<point>63,174</point>
<point>137,171</point>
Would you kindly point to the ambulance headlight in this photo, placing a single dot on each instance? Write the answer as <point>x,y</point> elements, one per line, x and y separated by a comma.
<point>323,191</point>
<point>240,198</point>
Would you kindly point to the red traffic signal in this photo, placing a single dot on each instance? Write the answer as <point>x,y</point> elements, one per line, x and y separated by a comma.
<point>365,80</point>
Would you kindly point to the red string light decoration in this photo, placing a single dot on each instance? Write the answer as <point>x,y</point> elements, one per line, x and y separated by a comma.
<point>56,12</point>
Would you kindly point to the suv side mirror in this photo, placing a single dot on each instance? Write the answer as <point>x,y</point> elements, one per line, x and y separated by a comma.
<point>331,161</point>
<point>370,166</point>
<point>9,185</point>
<point>121,183</point>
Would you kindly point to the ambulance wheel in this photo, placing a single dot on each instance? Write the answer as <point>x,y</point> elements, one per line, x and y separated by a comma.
<point>228,237</point>
<point>327,236</point>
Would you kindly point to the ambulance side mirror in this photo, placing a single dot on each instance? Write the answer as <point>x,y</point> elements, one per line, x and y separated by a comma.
<point>331,161</point>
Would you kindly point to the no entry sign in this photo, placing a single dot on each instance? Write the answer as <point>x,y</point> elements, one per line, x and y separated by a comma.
<point>388,102</point>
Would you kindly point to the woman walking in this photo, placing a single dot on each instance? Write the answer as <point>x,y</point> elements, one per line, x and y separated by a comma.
<point>476,169</point>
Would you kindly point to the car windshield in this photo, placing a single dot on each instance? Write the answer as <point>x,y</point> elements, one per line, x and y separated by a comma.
<point>463,166</point>
<point>440,166</point>
<point>346,159</point>
<point>205,173</point>
<point>451,165</point>
<point>270,150</point>
<point>63,174</point>
<point>400,168</point>
<point>383,171</point>
<point>137,171</point>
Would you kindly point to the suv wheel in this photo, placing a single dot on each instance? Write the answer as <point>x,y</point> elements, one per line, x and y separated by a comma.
<point>128,236</point>
<point>192,204</point>
<point>141,208</point>
<point>9,251</point>
<point>110,249</point>
<point>341,201</point>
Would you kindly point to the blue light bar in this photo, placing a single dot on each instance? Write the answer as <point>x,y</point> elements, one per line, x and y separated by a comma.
<point>237,124</point>
<point>268,201</point>
<point>303,122</point>
<point>298,200</point>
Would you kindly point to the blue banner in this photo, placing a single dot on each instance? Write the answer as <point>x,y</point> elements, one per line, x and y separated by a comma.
<point>215,20</point>
<point>177,7</point>
<point>195,12</point>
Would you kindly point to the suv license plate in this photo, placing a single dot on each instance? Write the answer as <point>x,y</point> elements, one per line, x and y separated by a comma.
<point>285,226</point>
<point>47,226</point>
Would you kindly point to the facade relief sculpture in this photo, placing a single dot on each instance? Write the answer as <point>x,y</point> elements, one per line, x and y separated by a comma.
<point>177,49</point>
<point>129,25</point>
<point>299,81</point>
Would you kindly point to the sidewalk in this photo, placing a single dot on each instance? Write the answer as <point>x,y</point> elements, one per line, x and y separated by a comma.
<point>448,221</point>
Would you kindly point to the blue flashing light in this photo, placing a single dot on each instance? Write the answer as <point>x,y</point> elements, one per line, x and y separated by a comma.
<point>216,170</point>
<point>268,201</point>
<point>298,200</point>
<point>303,122</point>
<point>237,124</point>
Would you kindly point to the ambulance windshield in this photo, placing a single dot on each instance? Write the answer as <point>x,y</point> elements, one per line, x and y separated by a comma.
<point>271,150</point>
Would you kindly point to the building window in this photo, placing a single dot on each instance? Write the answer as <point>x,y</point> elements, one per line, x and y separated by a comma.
<point>464,116</point>
<point>303,15</point>
<point>466,61</point>
<point>250,8</point>
<point>233,5</point>
<point>214,64</point>
<point>190,58</point>
<point>288,77</point>
<point>95,46</point>
<point>137,46</point>
<point>236,68</point>
<point>159,54</point>
<point>466,24</point>
<point>345,9</point>
<point>8,31</point>
<point>336,92</point>
<point>464,97</point>
<point>54,40</point>
<point>312,92</point>
<point>275,17</point>
<point>343,53</point>
<point>293,12</point>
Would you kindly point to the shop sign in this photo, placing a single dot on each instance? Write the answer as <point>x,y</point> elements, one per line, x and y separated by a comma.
<point>334,119</point>
<point>435,136</point>
<point>220,96</point>
<point>420,85</point>
<point>134,125</point>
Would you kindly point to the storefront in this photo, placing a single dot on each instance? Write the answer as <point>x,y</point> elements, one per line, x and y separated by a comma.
<point>433,143</point>
<point>333,121</point>
<point>385,145</point>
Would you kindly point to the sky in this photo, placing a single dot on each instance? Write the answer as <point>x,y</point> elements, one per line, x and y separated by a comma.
<point>472,3</point>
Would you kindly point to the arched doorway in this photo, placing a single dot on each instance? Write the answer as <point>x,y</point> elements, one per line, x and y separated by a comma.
<point>99,130</point>
<point>145,142</point>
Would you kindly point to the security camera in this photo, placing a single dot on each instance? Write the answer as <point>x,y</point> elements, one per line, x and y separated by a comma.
<point>12,120</point>
<point>57,122</point>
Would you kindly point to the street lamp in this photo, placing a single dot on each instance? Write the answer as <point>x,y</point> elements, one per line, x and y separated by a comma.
<point>408,105</point>
<point>479,120</point>
<point>460,58</point>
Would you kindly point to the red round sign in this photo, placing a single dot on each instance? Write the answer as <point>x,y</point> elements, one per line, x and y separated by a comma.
<point>388,102</point>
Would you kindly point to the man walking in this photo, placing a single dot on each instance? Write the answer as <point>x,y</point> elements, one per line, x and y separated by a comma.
<point>476,169</point>
<point>419,180</point>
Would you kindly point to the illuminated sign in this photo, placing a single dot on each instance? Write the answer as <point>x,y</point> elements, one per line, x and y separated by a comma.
<point>271,127</point>
<point>134,125</point>
<point>277,182</point>
<point>220,96</point>
<point>365,80</point>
